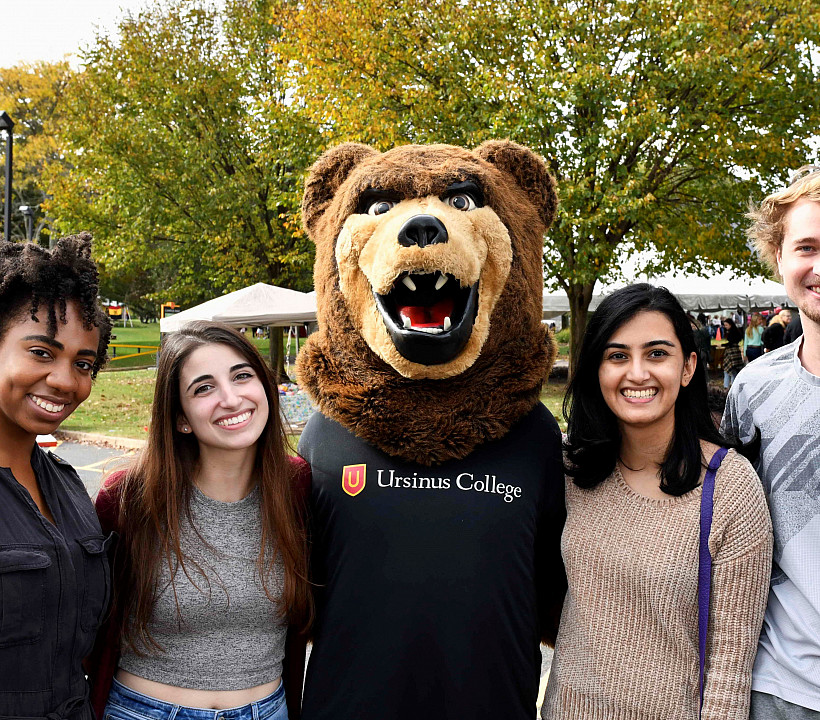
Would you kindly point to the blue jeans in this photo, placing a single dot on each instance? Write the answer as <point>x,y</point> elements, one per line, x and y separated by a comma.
<point>126,704</point>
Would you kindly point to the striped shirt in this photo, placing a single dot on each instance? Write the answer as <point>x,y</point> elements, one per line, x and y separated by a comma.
<point>777,395</point>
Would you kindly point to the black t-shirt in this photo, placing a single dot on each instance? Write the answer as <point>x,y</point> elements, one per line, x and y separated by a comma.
<point>54,588</point>
<point>430,579</point>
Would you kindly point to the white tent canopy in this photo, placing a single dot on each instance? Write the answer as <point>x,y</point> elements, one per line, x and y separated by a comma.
<point>253,306</point>
<point>722,291</point>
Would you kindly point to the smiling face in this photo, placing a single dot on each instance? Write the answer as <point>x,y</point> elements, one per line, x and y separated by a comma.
<point>223,400</point>
<point>798,259</point>
<point>642,371</point>
<point>43,379</point>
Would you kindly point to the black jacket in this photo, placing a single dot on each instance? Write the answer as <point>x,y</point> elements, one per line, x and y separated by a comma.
<point>54,589</point>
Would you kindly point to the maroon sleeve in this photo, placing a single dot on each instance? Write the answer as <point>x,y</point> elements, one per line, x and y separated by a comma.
<point>293,665</point>
<point>101,664</point>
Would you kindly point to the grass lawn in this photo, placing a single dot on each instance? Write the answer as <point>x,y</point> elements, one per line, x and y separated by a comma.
<point>148,334</point>
<point>120,404</point>
<point>139,334</point>
<point>552,395</point>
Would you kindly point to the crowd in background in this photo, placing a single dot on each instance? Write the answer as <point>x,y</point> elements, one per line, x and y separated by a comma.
<point>742,338</point>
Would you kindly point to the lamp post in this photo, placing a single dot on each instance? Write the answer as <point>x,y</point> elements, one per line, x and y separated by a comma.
<point>28,218</point>
<point>7,124</point>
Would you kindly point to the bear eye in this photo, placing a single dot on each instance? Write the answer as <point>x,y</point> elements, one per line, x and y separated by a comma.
<point>380,207</point>
<point>462,201</point>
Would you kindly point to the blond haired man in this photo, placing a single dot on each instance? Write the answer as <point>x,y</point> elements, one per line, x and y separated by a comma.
<point>779,394</point>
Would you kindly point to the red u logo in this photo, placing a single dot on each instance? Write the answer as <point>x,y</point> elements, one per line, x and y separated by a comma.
<point>354,478</point>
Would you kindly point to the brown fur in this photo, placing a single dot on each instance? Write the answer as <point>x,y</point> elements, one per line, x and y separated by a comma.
<point>368,258</point>
<point>428,414</point>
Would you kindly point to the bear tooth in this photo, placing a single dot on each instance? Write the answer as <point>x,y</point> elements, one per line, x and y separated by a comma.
<point>440,282</point>
<point>409,283</point>
<point>406,321</point>
<point>447,323</point>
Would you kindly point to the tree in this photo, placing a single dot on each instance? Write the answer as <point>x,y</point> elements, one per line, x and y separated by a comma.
<point>187,154</point>
<point>659,118</point>
<point>32,94</point>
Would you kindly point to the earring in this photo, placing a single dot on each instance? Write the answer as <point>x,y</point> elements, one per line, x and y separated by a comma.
<point>186,429</point>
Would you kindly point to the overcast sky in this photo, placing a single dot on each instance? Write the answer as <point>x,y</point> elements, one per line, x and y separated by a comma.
<point>51,29</point>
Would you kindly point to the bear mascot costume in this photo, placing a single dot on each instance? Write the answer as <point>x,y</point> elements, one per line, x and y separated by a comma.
<point>437,496</point>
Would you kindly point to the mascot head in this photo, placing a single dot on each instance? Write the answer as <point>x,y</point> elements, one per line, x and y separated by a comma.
<point>428,280</point>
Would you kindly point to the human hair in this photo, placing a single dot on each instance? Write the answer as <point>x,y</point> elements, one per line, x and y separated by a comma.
<point>733,334</point>
<point>593,437</point>
<point>756,320</point>
<point>34,279</point>
<point>157,489</point>
<point>717,399</point>
<point>766,231</point>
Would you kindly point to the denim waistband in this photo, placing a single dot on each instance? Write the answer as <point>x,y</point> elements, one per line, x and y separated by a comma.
<point>150,707</point>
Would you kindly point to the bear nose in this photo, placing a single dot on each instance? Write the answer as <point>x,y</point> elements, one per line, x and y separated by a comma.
<point>422,230</point>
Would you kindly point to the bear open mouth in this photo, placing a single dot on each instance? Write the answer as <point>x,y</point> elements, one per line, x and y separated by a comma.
<point>429,316</point>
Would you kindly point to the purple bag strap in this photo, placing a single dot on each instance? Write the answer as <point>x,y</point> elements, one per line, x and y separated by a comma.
<point>705,561</point>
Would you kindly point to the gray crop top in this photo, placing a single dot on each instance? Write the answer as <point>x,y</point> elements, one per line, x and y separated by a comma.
<point>228,636</point>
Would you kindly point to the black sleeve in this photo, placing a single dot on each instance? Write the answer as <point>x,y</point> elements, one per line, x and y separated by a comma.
<point>551,578</point>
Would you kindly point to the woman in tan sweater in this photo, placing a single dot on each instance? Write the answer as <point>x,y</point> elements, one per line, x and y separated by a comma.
<point>639,440</point>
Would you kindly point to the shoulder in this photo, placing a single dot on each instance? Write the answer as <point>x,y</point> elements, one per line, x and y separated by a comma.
<point>320,429</point>
<point>601,489</point>
<point>65,471</point>
<point>740,505</point>
<point>107,503</point>
<point>301,475</point>
<point>538,426</point>
<point>61,466</point>
<point>736,476</point>
<point>772,366</point>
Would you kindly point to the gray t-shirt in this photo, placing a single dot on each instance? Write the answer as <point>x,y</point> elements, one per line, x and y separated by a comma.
<point>776,394</point>
<point>227,635</point>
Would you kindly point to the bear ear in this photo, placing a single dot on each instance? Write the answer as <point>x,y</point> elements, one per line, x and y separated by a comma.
<point>528,169</point>
<point>325,177</point>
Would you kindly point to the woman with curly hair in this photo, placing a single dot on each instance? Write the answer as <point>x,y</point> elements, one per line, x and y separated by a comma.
<point>54,584</point>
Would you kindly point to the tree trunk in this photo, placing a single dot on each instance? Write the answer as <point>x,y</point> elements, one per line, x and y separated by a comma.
<point>579,298</point>
<point>277,354</point>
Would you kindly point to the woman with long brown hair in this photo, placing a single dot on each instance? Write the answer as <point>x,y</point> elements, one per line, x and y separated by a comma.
<point>212,564</point>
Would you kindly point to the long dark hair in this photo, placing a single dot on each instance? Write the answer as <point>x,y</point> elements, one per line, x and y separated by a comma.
<point>733,334</point>
<point>156,491</point>
<point>593,438</point>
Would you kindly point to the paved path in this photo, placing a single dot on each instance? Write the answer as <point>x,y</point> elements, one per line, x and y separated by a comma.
<point>91,462</point>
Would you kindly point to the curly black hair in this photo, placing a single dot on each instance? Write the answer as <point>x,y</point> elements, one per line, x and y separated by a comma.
<point>33,277</point>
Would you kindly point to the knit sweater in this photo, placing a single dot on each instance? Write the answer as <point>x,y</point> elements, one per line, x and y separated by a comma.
<point>627,647</point>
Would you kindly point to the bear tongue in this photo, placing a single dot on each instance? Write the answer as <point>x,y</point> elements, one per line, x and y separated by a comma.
<point>424,316</point>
